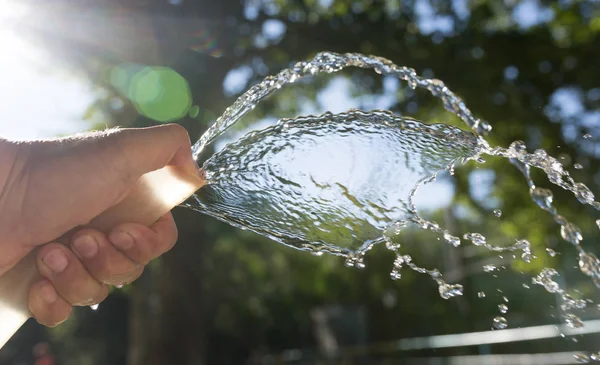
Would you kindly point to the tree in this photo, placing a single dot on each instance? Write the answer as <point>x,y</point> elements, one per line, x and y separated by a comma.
<point>224,294</point>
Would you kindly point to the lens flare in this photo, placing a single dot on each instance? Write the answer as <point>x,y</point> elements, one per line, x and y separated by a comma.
<point>205,42</point>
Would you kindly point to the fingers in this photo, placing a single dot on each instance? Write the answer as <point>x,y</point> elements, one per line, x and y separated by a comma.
<point>70,279</point>
<point>79,276</point>
<point>143,244</point>
<point>102,260</point>
<point>49,308</point>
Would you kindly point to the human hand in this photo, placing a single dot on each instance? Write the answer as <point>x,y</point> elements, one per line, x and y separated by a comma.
<point>55,186</point>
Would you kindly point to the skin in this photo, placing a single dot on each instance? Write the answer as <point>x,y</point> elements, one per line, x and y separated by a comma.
<point>49,188</point>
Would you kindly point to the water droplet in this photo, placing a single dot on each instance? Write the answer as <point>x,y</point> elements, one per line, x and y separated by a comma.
<point>581,358</point>
<point>391,245</point>
<point>489,268</point>
<point>526,286</point>
<point>571,233</point>
<point>590,266</point>
<point>518,147</point>
<point>526,256</point>
<point>542,197</point>
<point>500,323</point>
<point>448,291</point>
<point>545,279</point>
<point>453,240</point>
<point>587,135</point>
<point>412,83</point>
<point>497,213</point>
<point>94,307</point>
<point>317,253</point>
<point>395,275</point>
<point>572,321</point>
<point>481,295</point>
<point>505,299</point>
<point>598,223</point>
<point>502,308</point>
<point>570,303</point>
<point>583,193</point>
<point>595,356</point>
<point>551,252</point>
<point>310,69</point>
<point>577,166</point>
<point>476,238</point>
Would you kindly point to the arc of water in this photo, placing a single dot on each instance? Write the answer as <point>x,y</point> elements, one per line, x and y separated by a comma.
<point>330,62</point>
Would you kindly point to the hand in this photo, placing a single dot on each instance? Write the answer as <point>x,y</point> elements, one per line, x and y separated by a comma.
<point>48,188</point>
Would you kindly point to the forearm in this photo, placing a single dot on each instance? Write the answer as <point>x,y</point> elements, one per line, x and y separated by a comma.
<point>10,166</point>
<point>8,155</point>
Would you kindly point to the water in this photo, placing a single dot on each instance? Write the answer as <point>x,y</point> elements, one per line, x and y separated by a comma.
<point>331,183</point>
<point>500,323</point>
<point>329,62</point>
<point>342,183</point>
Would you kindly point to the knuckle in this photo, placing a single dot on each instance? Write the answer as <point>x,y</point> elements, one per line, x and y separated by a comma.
<point>178,131</point>
<point>49,247</point>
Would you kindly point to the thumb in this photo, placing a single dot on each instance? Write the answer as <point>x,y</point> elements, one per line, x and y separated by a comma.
<point>135,152</point>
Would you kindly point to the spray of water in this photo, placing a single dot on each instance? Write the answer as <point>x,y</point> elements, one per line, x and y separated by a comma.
<point>358,191</point>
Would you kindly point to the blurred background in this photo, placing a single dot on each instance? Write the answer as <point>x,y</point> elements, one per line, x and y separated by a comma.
<point>226,296</point>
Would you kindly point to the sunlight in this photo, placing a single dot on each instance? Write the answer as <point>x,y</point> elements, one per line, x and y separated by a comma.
<point>34,101</point>
<point>11,13</point>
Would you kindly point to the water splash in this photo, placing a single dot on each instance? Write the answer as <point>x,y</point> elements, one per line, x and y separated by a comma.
<point>334,183</point>
<point>266,182</point>
<point>520,245</point>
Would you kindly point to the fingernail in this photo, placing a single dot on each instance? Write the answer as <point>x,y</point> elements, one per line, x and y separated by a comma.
<point>48,294</point>
<point>86,246</point>
<point>122,240</point>
<point>56,260</point>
